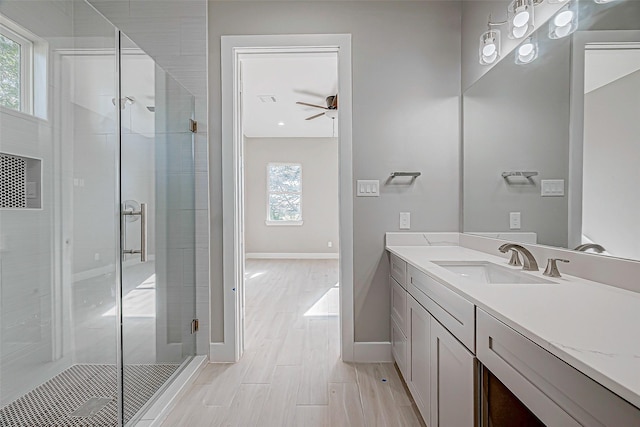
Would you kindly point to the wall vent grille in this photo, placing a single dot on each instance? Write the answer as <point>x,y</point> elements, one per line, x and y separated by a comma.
<point>13,181</point>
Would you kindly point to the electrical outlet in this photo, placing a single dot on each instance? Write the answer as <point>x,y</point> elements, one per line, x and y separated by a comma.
<point>405,220</point>
<point>330,244</point>
<point>514,220</point>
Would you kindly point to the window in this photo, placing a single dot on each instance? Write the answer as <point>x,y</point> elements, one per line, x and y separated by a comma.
<point>16,59</point>
<point>284,187</point>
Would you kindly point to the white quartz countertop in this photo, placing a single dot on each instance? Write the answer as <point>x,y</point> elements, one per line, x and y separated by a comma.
<point>593,327</point>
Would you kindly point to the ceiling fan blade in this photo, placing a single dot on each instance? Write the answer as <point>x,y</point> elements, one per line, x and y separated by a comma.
<point>334,103</point>
<point>312,105</point>
<point>314,117</point>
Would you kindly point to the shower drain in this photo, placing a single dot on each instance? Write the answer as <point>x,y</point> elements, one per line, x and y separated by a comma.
<point>85,395</point>
<point>91,407</point>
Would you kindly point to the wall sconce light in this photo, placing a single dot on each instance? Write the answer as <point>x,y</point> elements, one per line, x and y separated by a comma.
<point>489,50</point>
<point>527,52</point>
<point>520,18</point>
<point>564,22</point>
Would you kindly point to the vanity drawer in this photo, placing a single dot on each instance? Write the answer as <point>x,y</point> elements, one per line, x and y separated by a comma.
<point>398,269</point>
<point>399,305</point>
<point>453,311</point>
<point>552,389</point>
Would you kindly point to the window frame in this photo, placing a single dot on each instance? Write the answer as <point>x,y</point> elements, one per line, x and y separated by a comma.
<point>281,222</point>
<point>19,36</point>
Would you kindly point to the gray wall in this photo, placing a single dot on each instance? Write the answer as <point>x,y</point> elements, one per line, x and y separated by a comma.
<point>517,119</point>
<point>406,88</point>
<point>319,160</point>
<point>610,198</point>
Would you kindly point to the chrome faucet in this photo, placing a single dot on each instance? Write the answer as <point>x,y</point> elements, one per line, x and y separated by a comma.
<point>528,259</point>
<point>586,246</point>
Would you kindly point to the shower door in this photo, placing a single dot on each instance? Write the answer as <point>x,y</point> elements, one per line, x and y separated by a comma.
<point>157,196</point>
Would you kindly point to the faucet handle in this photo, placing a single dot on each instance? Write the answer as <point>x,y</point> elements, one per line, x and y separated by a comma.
<point>515,259</point>
<point>552,267</point>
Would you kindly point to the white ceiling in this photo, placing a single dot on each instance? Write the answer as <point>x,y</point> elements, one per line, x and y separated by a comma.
<point>291,77</point>
<point>603,66</point>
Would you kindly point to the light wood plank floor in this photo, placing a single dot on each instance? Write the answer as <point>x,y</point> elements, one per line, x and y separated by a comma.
<point>291,373</point>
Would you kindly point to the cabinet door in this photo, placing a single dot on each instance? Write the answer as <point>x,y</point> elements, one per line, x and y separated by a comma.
<point>418,340</point>
<point>399,348</point>
<point>453,376</point>
<point>398,305</point>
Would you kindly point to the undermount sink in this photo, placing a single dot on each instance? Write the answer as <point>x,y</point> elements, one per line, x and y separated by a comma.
<point>489,273</point>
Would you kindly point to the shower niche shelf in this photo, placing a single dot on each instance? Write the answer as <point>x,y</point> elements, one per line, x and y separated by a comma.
<point>20,182</point>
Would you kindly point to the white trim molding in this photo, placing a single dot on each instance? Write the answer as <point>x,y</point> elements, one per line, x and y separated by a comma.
<point>292,255</point>
<point>160,409</point>
<point>232,49</point>
<point>221,353</point>
<point>372,352</point>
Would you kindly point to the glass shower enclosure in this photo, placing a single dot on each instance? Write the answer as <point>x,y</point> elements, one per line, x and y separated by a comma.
<point>97,224</point>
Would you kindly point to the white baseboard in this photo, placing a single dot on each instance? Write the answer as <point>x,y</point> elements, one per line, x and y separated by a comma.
<point>221,353</point>
<point>292,255</point>
<point>372,352</point>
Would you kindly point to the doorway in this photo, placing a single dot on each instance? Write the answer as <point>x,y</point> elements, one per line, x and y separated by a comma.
<point>235,51</point>
<point>290,201</point>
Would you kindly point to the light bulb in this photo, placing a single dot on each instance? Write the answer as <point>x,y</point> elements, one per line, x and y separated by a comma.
<point>521,18</point>
<point>490,59</point>
<point>563,31</point>
<point>489,49</point>
<point>563,18</point>
<point>519,32</point>
<point>525,49</point>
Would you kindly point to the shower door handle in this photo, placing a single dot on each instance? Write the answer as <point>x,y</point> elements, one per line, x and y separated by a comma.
<point>142,213</point>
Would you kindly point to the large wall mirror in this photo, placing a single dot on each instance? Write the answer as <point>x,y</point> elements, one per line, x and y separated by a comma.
<point>552,147</point>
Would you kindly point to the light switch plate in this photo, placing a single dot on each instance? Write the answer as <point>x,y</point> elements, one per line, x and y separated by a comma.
<point>367,188</point>
<point>552,187</point>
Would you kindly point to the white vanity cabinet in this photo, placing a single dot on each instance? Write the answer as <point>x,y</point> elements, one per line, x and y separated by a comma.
<point>554,391</point>
<point>453,374</point>
<point>438,369</point>
<point>418,376</point>
<point>399,328</point>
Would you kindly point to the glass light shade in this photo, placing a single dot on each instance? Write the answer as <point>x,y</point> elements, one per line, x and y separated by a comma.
<point>519,32</point>
<point>520,18</point>
<point>489,49</point>
<point>564,22</point>
<point>563,18</point>
<point>527,52</point>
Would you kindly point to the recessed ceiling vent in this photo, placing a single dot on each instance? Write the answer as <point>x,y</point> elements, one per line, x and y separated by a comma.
<point>267,98</point>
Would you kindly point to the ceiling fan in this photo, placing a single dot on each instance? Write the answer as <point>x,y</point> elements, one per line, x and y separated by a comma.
<point>331,108</point>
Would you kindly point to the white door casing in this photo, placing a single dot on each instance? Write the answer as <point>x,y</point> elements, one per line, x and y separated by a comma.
<point>232,47</point>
